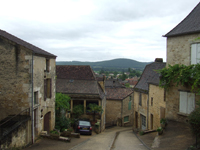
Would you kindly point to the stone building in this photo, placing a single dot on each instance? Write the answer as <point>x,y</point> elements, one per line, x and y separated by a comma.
<point>27,91</point>
<point>81,85</point>
<point>149,101</point>
<point>119,104</point>
<point>183,47</point>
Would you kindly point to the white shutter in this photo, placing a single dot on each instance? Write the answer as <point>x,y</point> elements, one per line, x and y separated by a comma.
<point>198,54</point>
<point>183,102</point>
<point>191,102</point>
<point>193,53</point>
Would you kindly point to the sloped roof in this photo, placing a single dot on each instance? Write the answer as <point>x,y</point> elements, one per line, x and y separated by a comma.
<point>191,24</point>
<point>31,47</point>
<point>112,83</point>
<point>117,93</point>
<point>76,86</point>
<point>73,72</point>
<point>149,75</point>
<point>77,80</point>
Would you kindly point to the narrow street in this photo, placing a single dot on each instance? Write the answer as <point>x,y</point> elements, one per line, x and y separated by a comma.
<point>112,139</point>
<point>126,140</point>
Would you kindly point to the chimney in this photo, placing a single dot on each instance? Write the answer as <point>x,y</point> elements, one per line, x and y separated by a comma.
<point>159,60</point>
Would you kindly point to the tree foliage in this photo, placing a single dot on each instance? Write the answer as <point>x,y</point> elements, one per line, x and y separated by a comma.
<point>61,106</point>
<point>194,120</point>
<point>94,108</point>
<point>181,74</point>
<point>78,110</point>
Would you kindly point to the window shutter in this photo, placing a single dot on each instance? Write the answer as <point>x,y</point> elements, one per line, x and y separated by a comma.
<point>45,89</point>
<point>183,102</point>
<point>193,53</point>
<point>190,103</point>
<point>198,54</point>
<point>129,105</point>
<point>50,88</point>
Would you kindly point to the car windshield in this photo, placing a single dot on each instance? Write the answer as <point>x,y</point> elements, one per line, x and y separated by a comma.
<point>84,123</point>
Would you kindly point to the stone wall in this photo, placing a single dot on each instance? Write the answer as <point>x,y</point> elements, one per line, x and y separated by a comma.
<point>178,49</point>
<point>156,104</point>
<point>178,52</point>
<point>113,110</point>
<point>48,105</point>
<point>126,111</point>
<point>141,110</point>
<point>15,78</point>
<point>17,138</point>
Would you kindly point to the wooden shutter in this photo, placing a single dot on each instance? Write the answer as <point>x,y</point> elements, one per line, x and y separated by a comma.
<point>50,87</point>
<point>190,103</point>
<point>183,102</point>
<point>193,53</point>
<point>45,89</point>
<point>129,105</point>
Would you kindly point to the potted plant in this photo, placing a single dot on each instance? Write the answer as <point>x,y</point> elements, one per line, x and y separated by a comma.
<point>94,109</point>
<point>163,123</point>
<point>55,134</point>
<point>160,130</point>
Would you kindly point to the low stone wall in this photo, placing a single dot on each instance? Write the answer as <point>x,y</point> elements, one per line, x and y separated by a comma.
<point>16,139</point>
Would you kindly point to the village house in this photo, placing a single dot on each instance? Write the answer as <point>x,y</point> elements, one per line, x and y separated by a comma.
<point>149,98</point>
<point>27,91</point>
<point>183,47</point>
<point>81,85</point>
<point>119,104</point>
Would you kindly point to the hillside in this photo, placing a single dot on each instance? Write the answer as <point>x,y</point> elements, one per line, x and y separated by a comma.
<point>109,65</point>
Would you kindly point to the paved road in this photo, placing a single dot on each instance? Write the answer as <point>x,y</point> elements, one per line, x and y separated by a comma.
<point>126,140</point>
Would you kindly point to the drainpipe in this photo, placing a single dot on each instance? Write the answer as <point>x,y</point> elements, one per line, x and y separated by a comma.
<point>122,114</point>
<point>32,101</point>
<point>147,111</point>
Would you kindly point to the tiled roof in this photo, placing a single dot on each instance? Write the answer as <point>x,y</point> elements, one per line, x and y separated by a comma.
<point>117,93</point>
<point>73,72</point>
<point>76,86</point>
<point>149,75</point>
<point>191,24</point>
<point>36,50</point>
<point>112,83</point>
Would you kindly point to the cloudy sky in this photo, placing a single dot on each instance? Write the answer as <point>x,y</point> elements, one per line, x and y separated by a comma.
<point>95,30</point>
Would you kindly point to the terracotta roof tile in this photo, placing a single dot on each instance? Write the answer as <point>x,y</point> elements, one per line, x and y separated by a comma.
<point>117,93</point>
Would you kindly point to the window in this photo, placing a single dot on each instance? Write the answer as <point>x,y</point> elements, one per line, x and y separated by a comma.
<point>129,105</point>
<point>35,97</point>
<point>126,119</point>
<point>187,102</point>
<point>140,99</point>
<point>195,53</point>
<point>151,101</point>
<point>47,65</point>
<point>143,122</point>
<point>47,88</point>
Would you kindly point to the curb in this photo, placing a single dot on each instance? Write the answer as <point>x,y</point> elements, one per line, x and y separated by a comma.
<point>142,141</point>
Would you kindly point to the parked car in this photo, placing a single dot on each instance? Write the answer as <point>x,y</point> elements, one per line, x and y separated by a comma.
<point>84,127</point>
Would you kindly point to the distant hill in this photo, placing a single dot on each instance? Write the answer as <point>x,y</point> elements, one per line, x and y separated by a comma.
<point>109,65</point>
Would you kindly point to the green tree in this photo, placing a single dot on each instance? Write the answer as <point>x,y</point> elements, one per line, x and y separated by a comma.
<point>61,106</point>
<point>78,110</point>
<point>127,85</point>
<point>94,108</point>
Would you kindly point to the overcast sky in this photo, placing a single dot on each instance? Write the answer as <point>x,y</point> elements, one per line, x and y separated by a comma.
<point>95,30</point>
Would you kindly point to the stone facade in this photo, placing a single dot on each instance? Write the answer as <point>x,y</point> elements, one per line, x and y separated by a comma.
<point>127,110</point>
<point>157,105</point>
<point>179,49</point>
<point>178,52</point>
<point>140,110</point>
<point>21,69</point>
<point>113,111</point>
